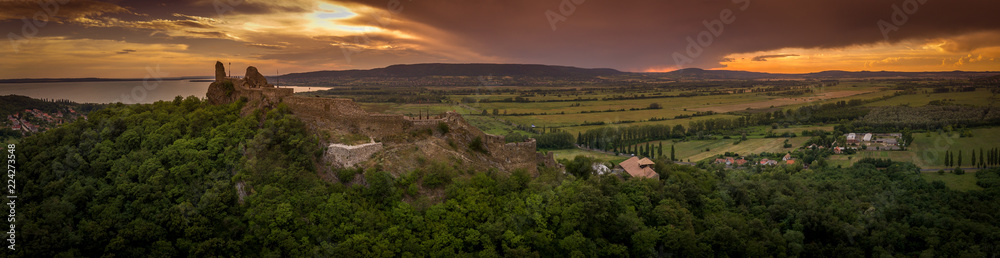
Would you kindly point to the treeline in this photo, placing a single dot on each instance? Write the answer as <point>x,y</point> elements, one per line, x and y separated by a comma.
<point>987,158</point>
<point>10,104</point>
<point>618,139</point>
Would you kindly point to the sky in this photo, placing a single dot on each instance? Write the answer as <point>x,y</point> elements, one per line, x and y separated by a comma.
<point>138,38</point>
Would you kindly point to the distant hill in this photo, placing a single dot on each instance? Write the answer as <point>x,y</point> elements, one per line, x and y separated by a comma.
<point>92,79</point>
<point>452,74</point>
<point>420,70</point>
<point>695,73</point>
<point>546,75</point>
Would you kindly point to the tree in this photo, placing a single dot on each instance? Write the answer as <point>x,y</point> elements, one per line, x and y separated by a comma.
<point>973,157</point>
<point>679,131</point>
<point>959,158</point>
<point>982,162</point>
<point>661,149</point>
<point>672,157</point>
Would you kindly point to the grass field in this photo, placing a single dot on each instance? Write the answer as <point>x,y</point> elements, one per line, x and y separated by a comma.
<point>696,150</point>
<point>928,152</point>
<point>572,153</point>
<point>966,182</point>
<point>976,98</point>
<point>672,122</point>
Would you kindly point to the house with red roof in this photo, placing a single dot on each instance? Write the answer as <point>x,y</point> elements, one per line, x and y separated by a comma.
<point>641,168</point>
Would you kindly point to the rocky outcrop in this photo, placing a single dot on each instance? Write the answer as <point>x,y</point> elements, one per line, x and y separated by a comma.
<point>220,71</point>
<point>254,79</point>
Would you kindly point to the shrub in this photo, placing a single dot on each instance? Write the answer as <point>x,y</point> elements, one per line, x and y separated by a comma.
<point>347,174</point>
<point>228,87</point>
<point>443,127</point>
<point>438,175</point>
<point>478,145</point>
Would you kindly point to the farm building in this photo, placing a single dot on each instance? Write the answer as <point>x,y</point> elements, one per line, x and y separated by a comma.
<point>639,168</point>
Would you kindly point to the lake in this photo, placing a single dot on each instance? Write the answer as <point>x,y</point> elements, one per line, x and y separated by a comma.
<point>128,92</point>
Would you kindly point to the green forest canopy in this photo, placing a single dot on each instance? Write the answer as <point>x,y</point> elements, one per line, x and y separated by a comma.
<point>161,180</point>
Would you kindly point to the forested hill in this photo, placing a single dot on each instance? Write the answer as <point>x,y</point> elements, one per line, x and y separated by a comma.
<point>550,75</point>
<point>10,104</point>
<point>185,178</point>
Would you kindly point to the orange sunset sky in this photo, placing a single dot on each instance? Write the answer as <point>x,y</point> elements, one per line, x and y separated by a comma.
<point>124,39</point>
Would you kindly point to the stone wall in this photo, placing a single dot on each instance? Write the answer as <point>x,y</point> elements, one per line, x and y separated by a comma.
<point>350,155</point>
<point>326,106</point>
<point>346,116</point>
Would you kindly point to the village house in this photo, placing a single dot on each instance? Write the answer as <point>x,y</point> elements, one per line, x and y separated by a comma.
<point>730,161</point>
<point>639,168</point>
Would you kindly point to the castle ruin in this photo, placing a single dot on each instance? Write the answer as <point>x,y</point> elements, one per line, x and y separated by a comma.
<point>390,134</point>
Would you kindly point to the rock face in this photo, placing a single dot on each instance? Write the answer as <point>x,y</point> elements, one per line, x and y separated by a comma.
<point>254,79</point>
<point>220,71</point>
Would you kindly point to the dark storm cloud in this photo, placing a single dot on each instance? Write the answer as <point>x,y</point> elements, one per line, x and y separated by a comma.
<point>765,57</point>
<point>50,10</point>
<point>643,33</point>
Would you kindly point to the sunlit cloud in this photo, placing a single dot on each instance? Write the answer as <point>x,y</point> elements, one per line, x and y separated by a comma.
<point>308,35</point>
<point>905,56</point>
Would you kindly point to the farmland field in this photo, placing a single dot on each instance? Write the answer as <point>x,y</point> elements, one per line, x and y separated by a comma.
<point>777,102</point>
<point>927,151</point>
<point>698,150</point>
<point>572,153</point>
<point>975,98</point>
<point>966,182</point>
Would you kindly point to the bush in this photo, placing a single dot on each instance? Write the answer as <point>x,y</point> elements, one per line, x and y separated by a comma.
<point>478,145</point>
<point>959,171</point>
<point>443,127</point>
<point>347,174</point>
<point>438,175</point>
<point>515,137</point>
<point>581,166</point>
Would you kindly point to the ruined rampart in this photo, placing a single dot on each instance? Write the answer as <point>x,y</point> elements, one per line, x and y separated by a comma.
<point>346,116</point>
<point>350,155</point>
